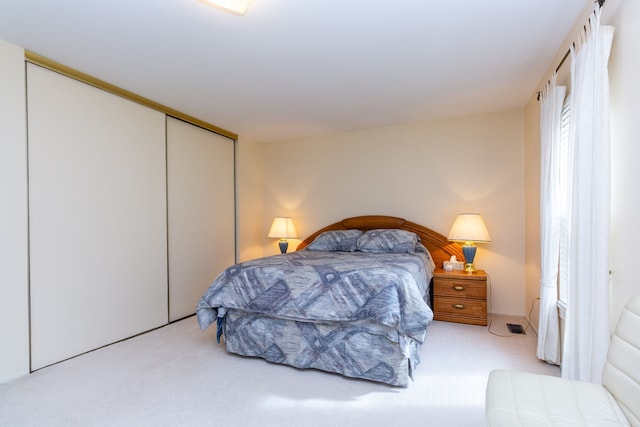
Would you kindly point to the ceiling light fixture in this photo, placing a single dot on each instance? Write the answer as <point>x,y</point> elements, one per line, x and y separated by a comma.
<point>235,7</point>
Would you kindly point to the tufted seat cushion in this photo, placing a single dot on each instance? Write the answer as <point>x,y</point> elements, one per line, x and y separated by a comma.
<point>521,399</point>
<point>531,400</point>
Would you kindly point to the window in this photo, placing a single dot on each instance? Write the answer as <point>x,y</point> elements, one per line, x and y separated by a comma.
<point>564,183</point>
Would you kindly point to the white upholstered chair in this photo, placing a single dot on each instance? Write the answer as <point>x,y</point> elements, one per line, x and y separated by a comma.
<point>523,399</point>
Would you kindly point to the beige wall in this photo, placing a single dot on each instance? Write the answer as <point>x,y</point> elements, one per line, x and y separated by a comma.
<point>249,199</point>
<point>624,69</point>
<point>624,66</point>
<point>426,173</point>
<point>14,326</point>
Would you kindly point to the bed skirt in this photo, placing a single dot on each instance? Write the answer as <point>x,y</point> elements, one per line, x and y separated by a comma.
<point>358,349</point>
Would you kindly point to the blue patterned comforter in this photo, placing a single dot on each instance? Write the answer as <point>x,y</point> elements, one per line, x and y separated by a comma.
<point>387,289</point>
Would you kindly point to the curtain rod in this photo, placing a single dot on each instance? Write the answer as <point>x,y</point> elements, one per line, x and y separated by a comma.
<point>566,55</point>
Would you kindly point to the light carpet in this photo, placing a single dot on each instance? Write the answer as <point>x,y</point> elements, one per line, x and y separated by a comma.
<point>178,376</point>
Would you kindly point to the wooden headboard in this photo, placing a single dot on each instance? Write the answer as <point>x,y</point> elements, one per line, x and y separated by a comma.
<point>439,247</point>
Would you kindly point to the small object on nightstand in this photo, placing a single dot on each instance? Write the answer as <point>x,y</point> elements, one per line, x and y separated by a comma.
<point>459,296</point>
<point>453,264</point>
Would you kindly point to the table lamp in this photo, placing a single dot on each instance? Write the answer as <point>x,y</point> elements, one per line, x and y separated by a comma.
<point>469,228</point>
<point>283,229</point>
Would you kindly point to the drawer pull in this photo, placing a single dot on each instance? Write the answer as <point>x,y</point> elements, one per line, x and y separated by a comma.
<point>458,306</point>
<point>458,288</point>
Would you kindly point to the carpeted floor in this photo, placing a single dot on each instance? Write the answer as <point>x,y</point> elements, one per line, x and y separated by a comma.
<point>178,376</point>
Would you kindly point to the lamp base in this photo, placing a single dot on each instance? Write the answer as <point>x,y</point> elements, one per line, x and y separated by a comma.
<point>469,251</point>
<point>284,245</point>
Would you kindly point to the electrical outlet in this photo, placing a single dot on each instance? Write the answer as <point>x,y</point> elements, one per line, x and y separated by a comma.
<point>515,328</point>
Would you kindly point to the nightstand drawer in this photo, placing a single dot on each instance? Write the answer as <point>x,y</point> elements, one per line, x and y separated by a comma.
<point>460,288</point>
<point>461,306</point>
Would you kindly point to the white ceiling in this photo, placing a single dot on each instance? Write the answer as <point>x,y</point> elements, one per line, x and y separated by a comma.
<point>291,69</point>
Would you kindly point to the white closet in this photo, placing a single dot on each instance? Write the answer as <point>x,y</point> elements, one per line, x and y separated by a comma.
<point>200,168</point>
<point>131,215</point>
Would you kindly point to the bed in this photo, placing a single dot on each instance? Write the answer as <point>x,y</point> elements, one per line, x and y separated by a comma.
<point>353,299</point>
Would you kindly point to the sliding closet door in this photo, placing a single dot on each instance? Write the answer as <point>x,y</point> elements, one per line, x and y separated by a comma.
<point>200,168</point>
<point>97,215</point>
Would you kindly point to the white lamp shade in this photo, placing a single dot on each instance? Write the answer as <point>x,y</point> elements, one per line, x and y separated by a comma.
<point>282,228</point>
<point>469,227</point>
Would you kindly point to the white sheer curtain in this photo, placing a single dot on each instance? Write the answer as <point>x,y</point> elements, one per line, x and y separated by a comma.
<point>551,100</point>
<point>586,338</point>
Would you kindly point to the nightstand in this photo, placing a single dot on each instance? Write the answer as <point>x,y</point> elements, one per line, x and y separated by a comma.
<point>460,297</point>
